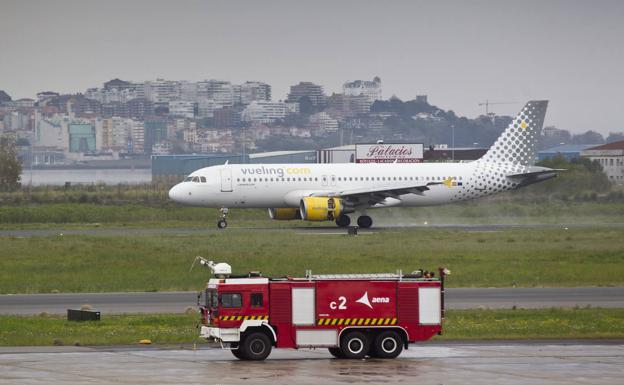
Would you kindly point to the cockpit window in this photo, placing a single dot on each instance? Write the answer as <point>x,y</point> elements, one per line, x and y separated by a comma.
<point>188,179</point>
<point>196,179</point>
<point>203,179</point>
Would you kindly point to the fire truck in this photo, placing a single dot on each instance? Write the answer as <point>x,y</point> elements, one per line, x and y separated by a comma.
<point>353,315</point>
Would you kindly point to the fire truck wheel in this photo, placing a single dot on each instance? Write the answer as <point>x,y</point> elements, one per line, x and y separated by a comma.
<point>238,353</point>
<point>354,345</point>
<point>336,352</point>
<point>256,346</point>
<point>387,344</point>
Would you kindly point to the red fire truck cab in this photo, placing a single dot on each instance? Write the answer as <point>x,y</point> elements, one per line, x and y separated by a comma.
<point>354,315</point>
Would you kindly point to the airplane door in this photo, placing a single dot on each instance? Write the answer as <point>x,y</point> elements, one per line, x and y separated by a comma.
<point>324,180</point>
<point>226,180</point>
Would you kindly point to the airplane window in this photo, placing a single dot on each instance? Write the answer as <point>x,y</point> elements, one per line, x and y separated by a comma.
<point>188,179</point>
<point>196,179</point>
<point>203,179</point>
<point>271,179</point>
<point>316,179</point>
<point>299,179</point>
<point>394,178</point>
<point>383,178</point>
<point>254,179</point>
<point>400,178</point>
<point>288,179</point>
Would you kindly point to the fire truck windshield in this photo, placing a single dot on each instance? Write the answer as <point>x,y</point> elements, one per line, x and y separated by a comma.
<point>212,298</point>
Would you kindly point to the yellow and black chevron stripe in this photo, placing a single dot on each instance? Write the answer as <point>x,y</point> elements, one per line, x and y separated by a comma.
<point>357,321</point>
<point>243,317</point>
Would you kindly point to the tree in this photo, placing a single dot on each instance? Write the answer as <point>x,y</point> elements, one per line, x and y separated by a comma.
<point>10,167</point>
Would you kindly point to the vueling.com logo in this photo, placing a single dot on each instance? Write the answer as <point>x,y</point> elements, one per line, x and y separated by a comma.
<point>279,171</point>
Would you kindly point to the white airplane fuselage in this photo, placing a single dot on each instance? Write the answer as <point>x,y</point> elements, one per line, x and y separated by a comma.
<point>283,185</point>
<point>330,191</point>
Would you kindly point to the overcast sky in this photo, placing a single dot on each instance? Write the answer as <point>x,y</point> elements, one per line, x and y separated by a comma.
<point>459,53</point>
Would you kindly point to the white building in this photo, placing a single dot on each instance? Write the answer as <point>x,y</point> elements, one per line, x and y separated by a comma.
<point>611,158</point>
<point>370,89</point>
<point>254,91</point>
<point>182,108</point>
<point>117,132</point>
<point>321,123</point>
<point>161,91</point>
<point>264,112</point>
<point>205,108</point>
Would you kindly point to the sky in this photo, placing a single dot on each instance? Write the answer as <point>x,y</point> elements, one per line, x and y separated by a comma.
<point>459,53</point>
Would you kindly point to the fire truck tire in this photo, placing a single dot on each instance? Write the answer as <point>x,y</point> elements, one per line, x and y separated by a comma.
<point>238,353</point>
<point>255,346</point>
<point>387,344</point>
<point>336,352</point>
<point>354,345</point>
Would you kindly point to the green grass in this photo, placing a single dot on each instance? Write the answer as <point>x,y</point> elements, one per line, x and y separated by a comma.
<point>111,330</point>
<point>486,211</point>
<point>533,324</point>
<point>522,257</point>
<point>175,329</point>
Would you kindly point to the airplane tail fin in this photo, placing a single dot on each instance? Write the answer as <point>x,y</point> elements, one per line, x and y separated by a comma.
<point>518,143</point>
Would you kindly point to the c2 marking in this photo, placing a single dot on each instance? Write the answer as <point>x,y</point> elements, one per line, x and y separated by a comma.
<point>340,306</point>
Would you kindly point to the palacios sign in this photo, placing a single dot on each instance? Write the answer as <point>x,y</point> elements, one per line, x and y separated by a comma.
<point>389,153</point>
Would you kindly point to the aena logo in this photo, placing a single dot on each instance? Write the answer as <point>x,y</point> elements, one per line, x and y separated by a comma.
<point>365,301</point>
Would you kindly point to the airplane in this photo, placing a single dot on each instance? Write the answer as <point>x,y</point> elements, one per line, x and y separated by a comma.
<point>333,192</point>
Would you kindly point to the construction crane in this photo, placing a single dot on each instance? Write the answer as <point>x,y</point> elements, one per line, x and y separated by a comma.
<point>487,105</point>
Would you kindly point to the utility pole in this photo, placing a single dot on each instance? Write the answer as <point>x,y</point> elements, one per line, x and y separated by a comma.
<point>453,142</point>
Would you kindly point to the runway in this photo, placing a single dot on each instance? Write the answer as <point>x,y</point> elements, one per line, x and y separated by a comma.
<point>113,231</point>
<point>500,363</point>
<point>178,302</point>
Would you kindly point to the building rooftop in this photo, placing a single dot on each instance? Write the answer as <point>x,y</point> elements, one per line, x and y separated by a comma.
<point>619,145</point>
<point>568,148</point>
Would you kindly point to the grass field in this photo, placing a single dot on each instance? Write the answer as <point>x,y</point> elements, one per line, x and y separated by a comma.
<point>486,211</point>
<point>522,257</point>
<point>177,329</point>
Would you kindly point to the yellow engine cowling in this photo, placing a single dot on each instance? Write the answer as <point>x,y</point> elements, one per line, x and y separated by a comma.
<point>320,208</point>
<point>284,214</point>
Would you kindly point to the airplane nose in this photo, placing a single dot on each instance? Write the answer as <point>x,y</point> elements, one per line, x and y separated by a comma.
<point>175,194</point>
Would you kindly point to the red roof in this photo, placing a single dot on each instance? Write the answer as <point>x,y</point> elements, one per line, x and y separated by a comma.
<point>619,145</point>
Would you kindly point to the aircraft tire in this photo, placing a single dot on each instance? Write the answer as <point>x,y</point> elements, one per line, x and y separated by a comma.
<point>222,224</point>
<point>343,220</point>
<point>365,221</point>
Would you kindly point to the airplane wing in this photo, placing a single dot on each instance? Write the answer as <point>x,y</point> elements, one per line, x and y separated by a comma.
<point>373,196</point>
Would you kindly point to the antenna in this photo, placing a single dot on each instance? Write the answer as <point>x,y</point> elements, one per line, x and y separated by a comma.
<point>487,105</point>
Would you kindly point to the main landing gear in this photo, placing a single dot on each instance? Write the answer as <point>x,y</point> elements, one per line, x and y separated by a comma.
<point>363,221</point>
<point>222,223</point>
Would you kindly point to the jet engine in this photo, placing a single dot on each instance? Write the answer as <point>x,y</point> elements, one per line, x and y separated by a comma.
<point>284,214</point>
<point>320,208</point>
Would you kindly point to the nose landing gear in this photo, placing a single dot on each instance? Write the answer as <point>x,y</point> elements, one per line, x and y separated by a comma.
<point>222,223</point>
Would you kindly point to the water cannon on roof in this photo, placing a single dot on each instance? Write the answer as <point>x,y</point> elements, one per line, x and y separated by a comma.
<point>220,270</point>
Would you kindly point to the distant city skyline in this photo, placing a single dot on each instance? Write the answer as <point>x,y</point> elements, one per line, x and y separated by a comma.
<point>459,53</point>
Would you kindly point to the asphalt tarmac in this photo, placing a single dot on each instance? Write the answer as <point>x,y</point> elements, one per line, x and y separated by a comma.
<point>319,230</point>
<point>500,363</point>
<point>178,302</point>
